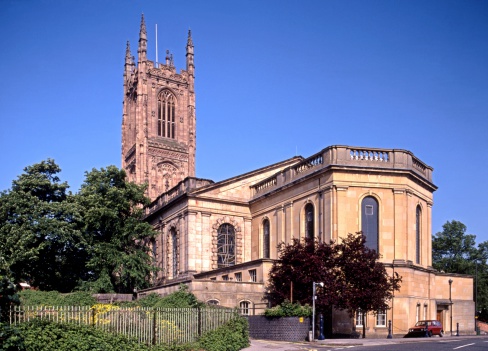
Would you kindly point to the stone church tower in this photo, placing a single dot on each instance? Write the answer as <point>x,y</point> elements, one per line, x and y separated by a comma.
<point>158,123</point>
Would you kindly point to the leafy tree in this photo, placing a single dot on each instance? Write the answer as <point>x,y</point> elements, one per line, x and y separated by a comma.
<point>39,239</point>
<point>454,251</point>
<point>8,293</point>
<point>300,264</point>
<point>352,275</point>
<point>366,285</point>
<point>116,235</point>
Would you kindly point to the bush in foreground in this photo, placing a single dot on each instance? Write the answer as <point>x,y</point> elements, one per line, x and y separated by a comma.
<point>288,309</point>
<point>42,335</point>
<point>232,336</point>
<point>55,298</point>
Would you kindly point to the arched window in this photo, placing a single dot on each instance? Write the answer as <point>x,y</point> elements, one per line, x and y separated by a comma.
<point>154,248</point>
<point>418,225</point>
<point>154,252</point>
<point>226,238</point>
<point>266,238</point>
<point>369,221</point>
<point>213,302</point>
<point>309,221</point>
<point>244,307</point>
<point>174,242</point>
<point>166,114</point>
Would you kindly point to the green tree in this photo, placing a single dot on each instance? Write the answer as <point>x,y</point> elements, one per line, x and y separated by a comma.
<point>455,251</point>
<point>116,235</point>
<point>39,237</point>
<point>8,293</point>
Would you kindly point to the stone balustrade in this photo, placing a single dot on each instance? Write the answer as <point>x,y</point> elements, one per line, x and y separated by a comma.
<point>181,188</point>
<point>269,182</point>
<point>350,157</point>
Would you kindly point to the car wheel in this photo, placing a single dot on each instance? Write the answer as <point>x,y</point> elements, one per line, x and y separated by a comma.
<point>429,333</point>
<point>441,334</point>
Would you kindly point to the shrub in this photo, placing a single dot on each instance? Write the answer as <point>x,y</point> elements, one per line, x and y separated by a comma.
<point>54,298</point>
<point>232,336</point>
<point>42,335</point>
<point>288,309</point>
<point>10,338</point>
<point>179,299</point>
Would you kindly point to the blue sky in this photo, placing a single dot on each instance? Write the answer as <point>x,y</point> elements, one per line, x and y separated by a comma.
<point>273,79</point>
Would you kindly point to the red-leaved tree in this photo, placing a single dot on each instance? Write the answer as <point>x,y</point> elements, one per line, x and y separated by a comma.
<point>353,277</point>
<point>366,286</point>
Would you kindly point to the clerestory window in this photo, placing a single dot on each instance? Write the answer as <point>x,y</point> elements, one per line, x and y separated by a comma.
<point>309,221</point>
<point>166,115</point>
<point>418,224</point>
<point>266,238</point>
<point>369,222</point>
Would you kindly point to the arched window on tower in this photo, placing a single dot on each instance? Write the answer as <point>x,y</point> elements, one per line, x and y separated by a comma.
<point>166,115</point>
<point>266,240</point>
<point>418,228</point>
<point>226,238</point>
<point>309,221</point>
<point>369,222</point>
<point>174,242</point>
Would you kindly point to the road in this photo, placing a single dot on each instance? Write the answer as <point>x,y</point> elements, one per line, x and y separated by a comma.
<point>473,344</point>
<point>451,344</point>
<point>465,343</point>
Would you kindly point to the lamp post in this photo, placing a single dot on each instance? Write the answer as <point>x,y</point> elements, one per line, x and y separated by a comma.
<point>313,307</point>
<point>450,302</point>
<point>476,300</point>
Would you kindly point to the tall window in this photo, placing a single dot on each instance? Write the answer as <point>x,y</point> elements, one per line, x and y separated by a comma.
<point>154,252</point>
<point>381,318</point>
<point>369,221</point>
<point>226,246</point>
<point>166,114</point>
<point>174,241</point>
<point>253,276</point>
<point>359,318</point>
<point>418,224</point>
<point>309,222</point>
<point>266,238</point>
<point>154,249</point>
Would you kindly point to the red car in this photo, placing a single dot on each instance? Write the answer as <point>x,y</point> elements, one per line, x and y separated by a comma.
<point>426,328</point>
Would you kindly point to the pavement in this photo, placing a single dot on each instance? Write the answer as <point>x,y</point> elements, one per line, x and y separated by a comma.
<point>334,344</point>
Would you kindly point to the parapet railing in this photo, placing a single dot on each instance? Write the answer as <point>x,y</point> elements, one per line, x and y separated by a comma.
<point>349,156</point>
<point>183,187</point>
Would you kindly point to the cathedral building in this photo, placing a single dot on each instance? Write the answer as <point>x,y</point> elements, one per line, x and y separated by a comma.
<point>220,238</point>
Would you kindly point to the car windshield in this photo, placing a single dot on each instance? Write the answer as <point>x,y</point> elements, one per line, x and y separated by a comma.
<point>421,324</point>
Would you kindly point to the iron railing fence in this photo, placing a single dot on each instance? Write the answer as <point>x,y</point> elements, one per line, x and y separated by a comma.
<point>148,325</point>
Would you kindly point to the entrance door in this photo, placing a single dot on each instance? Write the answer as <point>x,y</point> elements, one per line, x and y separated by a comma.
<point>439,317</point>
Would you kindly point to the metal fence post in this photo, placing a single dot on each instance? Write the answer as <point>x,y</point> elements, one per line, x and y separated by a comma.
<point>154,327</point>
<point>199,321</point>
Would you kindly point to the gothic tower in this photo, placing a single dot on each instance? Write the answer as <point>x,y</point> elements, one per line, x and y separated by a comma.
<point>158,122</point>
